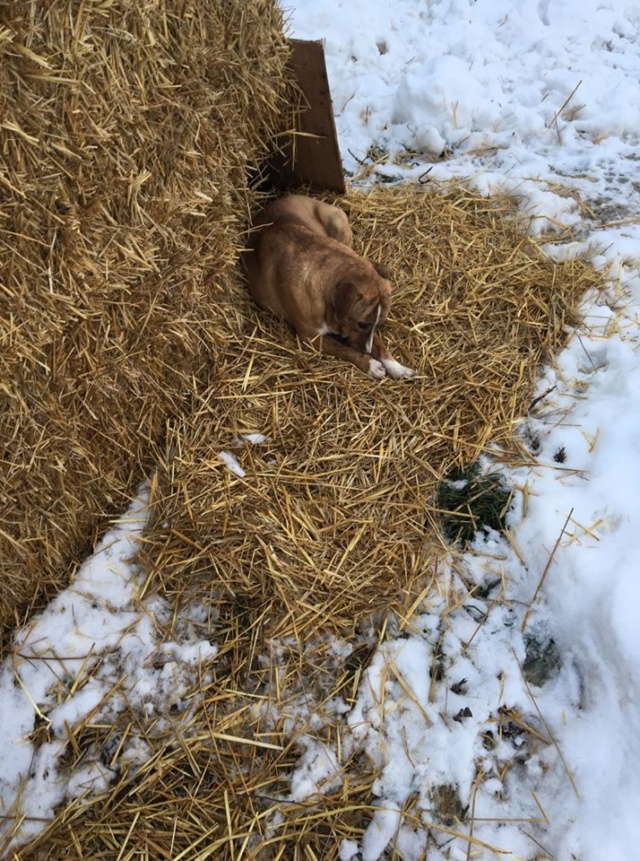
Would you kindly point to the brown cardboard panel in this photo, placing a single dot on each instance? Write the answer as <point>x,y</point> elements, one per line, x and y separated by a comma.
<point>311,155</point>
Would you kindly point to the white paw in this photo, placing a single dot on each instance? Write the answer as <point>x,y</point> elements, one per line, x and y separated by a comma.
<point>396,370</point>
<point>376,369</point>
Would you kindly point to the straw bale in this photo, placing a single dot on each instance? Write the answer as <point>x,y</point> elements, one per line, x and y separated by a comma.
<point>126,133</point>
<point>331,523</point>
<point>338,495</point>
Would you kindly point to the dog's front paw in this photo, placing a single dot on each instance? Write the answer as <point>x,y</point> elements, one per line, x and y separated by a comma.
<point>396,370</point>
<point>376,369</point>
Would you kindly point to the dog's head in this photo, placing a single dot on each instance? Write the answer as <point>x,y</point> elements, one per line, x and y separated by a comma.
<point>360,303</point>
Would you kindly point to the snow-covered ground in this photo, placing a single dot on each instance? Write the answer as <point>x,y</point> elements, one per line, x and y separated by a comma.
<point>538,99</point>
<point>96,650</point>
<point>541,753</point>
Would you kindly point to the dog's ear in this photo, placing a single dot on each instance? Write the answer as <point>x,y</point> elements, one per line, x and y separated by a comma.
<point>382,271</point>
<point>345,295</point>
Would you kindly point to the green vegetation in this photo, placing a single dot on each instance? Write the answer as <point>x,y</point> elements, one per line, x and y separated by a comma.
<point>470,501</point>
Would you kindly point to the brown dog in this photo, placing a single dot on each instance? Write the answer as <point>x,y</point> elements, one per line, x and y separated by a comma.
<point>301,266</point>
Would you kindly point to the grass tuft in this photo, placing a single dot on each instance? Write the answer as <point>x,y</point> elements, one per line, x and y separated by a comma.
<point>470,502</point>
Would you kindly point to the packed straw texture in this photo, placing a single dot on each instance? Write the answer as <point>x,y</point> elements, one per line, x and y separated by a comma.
<point>336,498</point>
<point>126,133</point>
<point>330,527</point>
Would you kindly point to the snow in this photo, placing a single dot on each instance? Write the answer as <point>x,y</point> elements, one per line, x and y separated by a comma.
<point>232,464</point>
<point>537,100</point>
<point>231,461</point>
<point>486,82</point>
<point>476,754</point>
<point>93,653</point>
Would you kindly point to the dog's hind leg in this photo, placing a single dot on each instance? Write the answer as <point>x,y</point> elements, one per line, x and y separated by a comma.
<point>335,222</point>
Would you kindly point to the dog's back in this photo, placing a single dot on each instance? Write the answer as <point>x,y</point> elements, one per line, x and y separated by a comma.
<point>301,266</point>
<point>291,237</point>
<point>299,254</point>
<point>321,218</point>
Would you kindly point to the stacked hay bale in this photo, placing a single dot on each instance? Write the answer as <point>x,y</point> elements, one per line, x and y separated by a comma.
<point>126,133</point>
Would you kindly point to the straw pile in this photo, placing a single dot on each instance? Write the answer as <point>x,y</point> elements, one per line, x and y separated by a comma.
<point>126,130</point>
<point>336,497</point>
<point>328,526</point>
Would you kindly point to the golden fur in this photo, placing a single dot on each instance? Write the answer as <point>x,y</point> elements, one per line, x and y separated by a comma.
<point>301,266</point>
